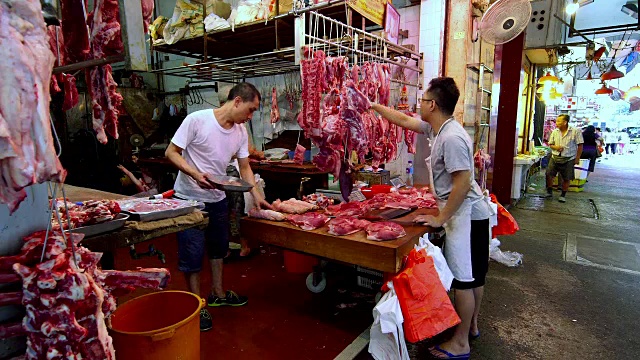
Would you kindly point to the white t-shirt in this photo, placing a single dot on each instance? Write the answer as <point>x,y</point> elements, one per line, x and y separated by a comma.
<point>208,147</point>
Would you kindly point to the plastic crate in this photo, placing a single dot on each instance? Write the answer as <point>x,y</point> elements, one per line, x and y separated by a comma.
<point>368,278</point>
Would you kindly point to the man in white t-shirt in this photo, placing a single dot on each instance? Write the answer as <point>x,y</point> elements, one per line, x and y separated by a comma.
<point>202,146</point>
<point>463,209</point>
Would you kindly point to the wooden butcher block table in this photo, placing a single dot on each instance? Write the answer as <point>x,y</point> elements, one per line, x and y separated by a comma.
<point>385,256</point>
<point>130,234</point>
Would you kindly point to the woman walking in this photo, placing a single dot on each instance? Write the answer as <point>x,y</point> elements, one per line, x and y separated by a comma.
<point>590,147</point>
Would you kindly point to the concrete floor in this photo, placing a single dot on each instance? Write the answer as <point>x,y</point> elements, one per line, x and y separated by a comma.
<point>584,308</point>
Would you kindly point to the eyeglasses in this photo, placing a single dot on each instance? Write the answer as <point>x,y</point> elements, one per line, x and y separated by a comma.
<point>434,100</point>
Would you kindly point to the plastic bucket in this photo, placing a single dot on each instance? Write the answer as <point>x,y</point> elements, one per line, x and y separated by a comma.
<point>581,171</point>
<point>299,263</point>
<point>161,326</point>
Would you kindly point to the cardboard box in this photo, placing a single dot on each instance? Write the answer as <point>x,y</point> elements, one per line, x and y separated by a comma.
<point>374,178</point>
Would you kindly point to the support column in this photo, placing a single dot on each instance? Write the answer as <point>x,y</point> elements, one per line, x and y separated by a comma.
<point>504,114</point>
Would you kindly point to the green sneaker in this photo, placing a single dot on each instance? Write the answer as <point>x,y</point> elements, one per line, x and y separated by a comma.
<point>232,299</point>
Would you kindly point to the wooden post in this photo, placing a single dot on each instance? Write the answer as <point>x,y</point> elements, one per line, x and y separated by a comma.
<point>502,141</point>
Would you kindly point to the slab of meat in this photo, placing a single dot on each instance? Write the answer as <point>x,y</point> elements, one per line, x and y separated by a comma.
<point>319,200</point>
<point>75,31</point>
<point>312,75</point>
<point>410,140</point>
<point>346,225</point>
<point>27,153</point>
<point>67,301</point>
<point>87,213</point>
<point>293,206</point>
<point>275,113</point>
<point>308,221</point>
<point>353,208</point>
<point>267,214</point>
<point>384,230</point>
<point>298,155</point>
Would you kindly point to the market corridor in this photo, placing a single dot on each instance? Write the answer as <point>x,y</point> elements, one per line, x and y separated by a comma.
<point>552,308</point>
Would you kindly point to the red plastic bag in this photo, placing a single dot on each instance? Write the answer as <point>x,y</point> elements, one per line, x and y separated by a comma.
<point>507,225</point>
<point>425,304</point>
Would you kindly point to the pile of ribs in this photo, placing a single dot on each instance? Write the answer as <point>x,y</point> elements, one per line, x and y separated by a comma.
<point>306,214</point>
<point>86,213</point>
<point>27,152</point>
<point>67,299</point>
<point>343,115</point>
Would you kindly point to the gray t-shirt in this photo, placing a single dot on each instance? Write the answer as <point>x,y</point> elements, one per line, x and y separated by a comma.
<point>453,151</point>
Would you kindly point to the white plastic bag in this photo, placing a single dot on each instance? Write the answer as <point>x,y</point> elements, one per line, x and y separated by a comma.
<point>508,258</point>
<point>386,336</point>
<point>248,198</point>
<point>444,273</point>
<point>215,22</point>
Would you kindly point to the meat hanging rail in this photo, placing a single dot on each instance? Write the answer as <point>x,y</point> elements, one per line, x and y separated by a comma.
<point>245,53</point>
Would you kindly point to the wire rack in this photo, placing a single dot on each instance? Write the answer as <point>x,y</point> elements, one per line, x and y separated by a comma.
<point>314,31</point>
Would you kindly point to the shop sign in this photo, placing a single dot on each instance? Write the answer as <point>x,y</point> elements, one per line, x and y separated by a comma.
<point>573,103</point>
<point>371,9</point>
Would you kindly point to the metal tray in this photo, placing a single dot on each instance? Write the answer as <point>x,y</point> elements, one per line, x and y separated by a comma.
<point>219,181</point>
<point>162,214</point>
<point>92,230</point>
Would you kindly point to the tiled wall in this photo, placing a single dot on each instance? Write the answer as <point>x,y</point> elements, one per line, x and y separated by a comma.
<point>431,38</point>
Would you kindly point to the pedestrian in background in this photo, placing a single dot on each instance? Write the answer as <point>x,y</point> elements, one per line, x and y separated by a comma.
<point>590,146</point>
<point>566,148</point>
<point>610,141</point>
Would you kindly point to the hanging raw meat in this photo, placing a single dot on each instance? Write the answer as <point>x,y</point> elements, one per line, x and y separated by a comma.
<point>298,156</point>
<point>27,153</point>
<point>275,113</point>
<point>68,300</point>
<point>410,137</point>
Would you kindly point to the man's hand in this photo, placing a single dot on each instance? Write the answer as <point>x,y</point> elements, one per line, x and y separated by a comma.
<point>577,161</point>
<point>203,182</point>
<point>433,221</point>
<point>260,202</point>
<point>558,148</point>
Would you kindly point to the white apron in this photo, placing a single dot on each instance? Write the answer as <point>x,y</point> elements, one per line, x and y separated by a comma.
<point>457,246</point>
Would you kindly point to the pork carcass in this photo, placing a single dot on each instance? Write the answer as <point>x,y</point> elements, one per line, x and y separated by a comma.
<point>346,225</point>
<point>67,298</point>
<point>27,154</point>
<point>267,214</point>
<point>298,155</point>
<point>384,230</point>
<point>308,221</point>
<point>293,206</point>
<point>275,113</point>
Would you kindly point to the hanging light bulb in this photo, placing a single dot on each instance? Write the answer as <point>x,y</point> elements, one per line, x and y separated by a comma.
<point>634,91</point>
<point>613,73</point>
<point>572,8</point>
<point>604,90</point>
<point>548,78</point>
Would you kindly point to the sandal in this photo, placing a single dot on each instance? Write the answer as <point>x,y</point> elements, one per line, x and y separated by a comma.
<point>448,354</point>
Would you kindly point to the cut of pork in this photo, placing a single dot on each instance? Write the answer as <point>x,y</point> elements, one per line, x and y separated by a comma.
<point>384,230</point>
<point>27,153</point>
<point>308,221</point>
<point>266,214</point>
<point>275,113</point>
<point>298,155</point>
<point>346,225</point>
<point>293,206</point>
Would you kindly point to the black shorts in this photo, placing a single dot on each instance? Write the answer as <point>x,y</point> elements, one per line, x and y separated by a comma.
<point>215,239</point>
<point>565,169</point>
<point>480,239</point>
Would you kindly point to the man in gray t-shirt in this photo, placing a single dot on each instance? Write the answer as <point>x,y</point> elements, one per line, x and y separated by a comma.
<point>463,210</point>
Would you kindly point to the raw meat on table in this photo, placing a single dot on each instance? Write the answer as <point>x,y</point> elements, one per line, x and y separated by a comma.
<point>308,221</point>
<point>86,213</point>
<point>320,200</point>
<point>293,206</point>
<point>266,214</point>
<point>346,225</point>
<point>27,152</point>
<point>147,205</point>
<point>385,230</point>
<point>298,155</point>
<point>275,113</point>
<point>353,208</point>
